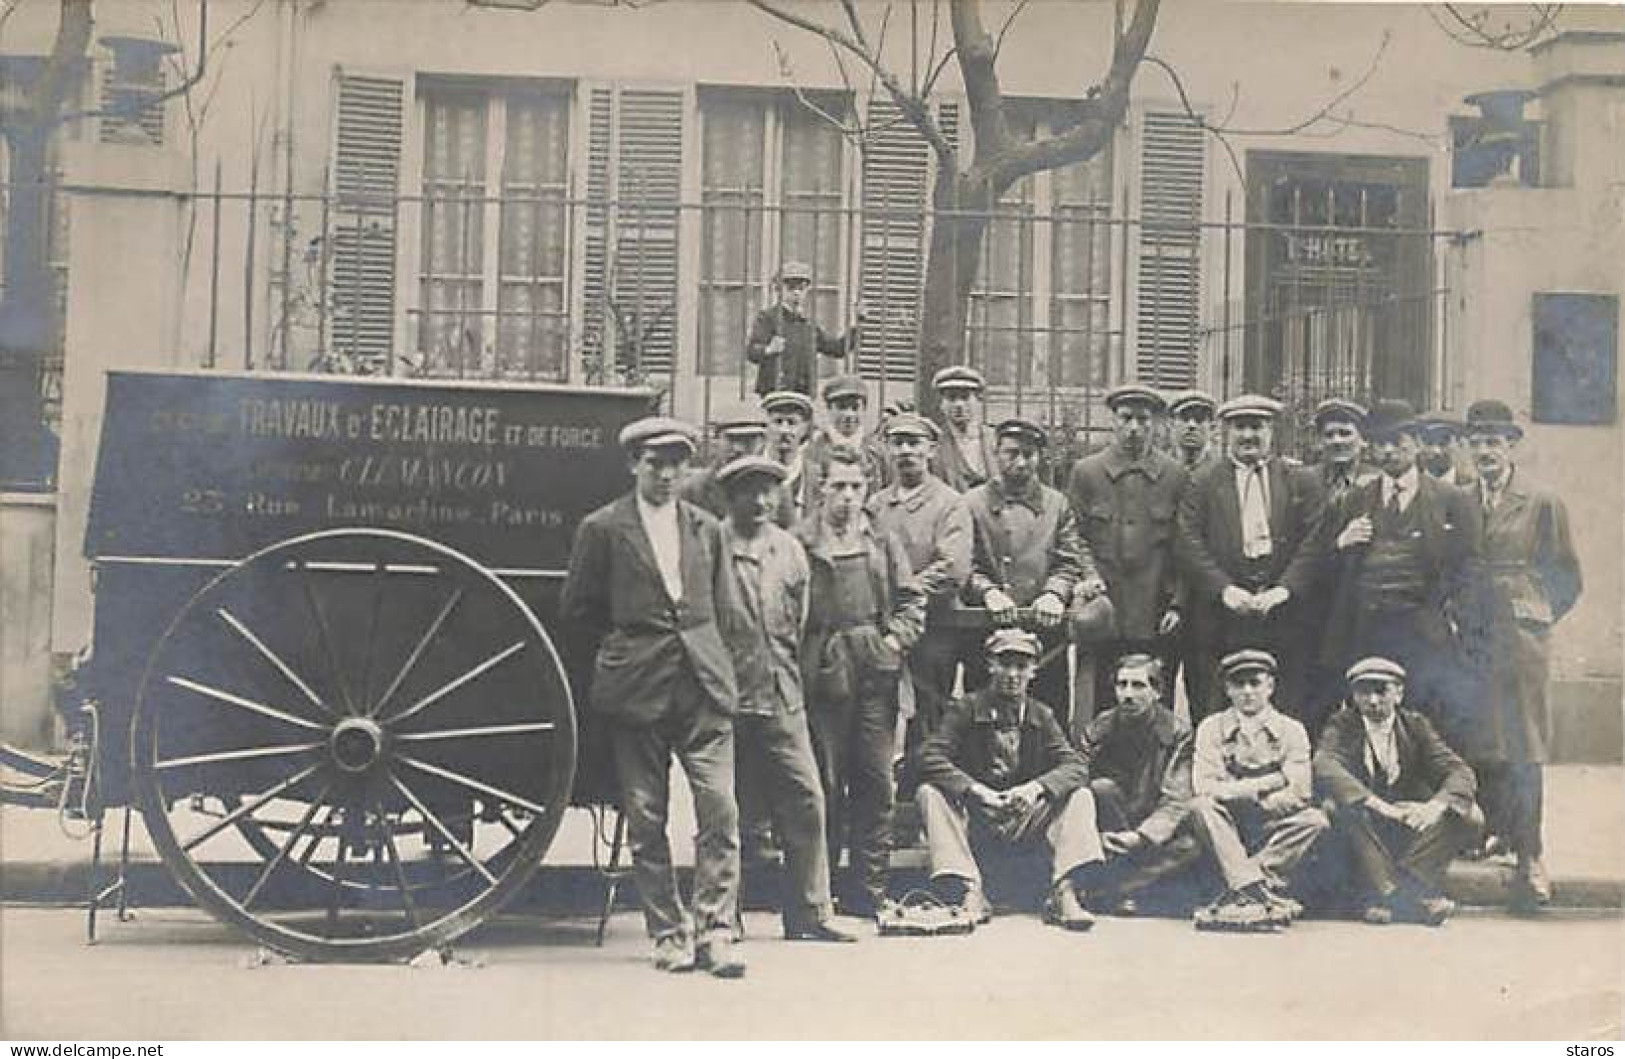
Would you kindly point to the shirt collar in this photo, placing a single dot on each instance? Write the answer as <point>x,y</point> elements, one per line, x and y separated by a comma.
<point>1267,719</point>
<point>1380,729</point>
<point>1407,482</point>
<point>1118,464</point>
<point>1031,497</point>
<point>987,710</point>
<point>1242,468</point>
<point>650,513</point>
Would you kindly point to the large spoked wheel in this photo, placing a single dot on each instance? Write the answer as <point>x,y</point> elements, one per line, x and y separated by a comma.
<point>354,745</point>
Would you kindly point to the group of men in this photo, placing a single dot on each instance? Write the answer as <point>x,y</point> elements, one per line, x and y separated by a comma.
<point>821,617</point>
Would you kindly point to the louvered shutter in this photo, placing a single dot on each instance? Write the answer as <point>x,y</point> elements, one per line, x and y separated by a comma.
<point>634,170</point>
<point>896,202</point>
<point>1172,163</point>
<point>366,172</point>
<point>127,119</point>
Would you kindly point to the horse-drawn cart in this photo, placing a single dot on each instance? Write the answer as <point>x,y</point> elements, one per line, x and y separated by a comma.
<point>324,666</point>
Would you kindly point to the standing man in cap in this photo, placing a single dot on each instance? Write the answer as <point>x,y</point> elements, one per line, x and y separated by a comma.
<point>1126,498</point>
<point>1250,550</point>
<point>651,583</point>
<point>1535,580</point>
<point>772,744</point>
<point>1252,809</point>
<point>864,614</point>
<point>741,432</point>
<point>1139,757</point>
<point>784,343</point>
<point>934,524</point>
<point>965,454</point>
<point>1404,799</point>
<point>1340,428</point>
<point>789,421</point>
<point>1028,555</point>
<point>999,770</point>
<point>844,399</point>
<point>1443,454</point>
<point>1405,551</point>
<point>1192,414</point>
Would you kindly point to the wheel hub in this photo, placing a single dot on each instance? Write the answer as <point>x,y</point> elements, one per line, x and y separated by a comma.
<point>356,744</point>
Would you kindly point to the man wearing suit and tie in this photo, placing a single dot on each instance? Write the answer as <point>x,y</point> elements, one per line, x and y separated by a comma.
<point>1249,545</point>
<point>1403,798</point>
<point>651,581</point>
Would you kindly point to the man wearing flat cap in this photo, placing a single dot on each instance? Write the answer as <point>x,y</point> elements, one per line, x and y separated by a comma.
<point>1028,555</point>
<point>1403,565</point>
<point>1403,799</point>
<point>1191,413</point>
<point>784,342</point>
<point>789,423</point>
<point>933,522</point>
<point>1534,577</point>
<point>964,457</point>
<point>739,432</point>
<point>1340,432</point>
<point>845,397</point>
<point>1126,498</point>
<point>1000,772</point>
<point>650,582</point>
<point>773,751</point>
<point>1249,548</point>
<point>1252,809</point>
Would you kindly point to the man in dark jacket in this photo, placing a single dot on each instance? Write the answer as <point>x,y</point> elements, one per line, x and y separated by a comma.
<point>1250,551</point>
<point>1404,799</point>
<point>1139,757</point>
<point>651,582</point>
<point>740,432</point>
<point>964,457</point>
<point>784,342</point>
<point>999,770</point>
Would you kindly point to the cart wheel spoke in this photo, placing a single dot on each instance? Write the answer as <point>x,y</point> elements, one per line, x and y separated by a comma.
<point>220,695</point>
<point>379,575</point>
<point>400,872</point>
<point>452,685</point>
<point>222,756</point>
<point>417,652</point>
<point>287,847</point>
<point>445,832</point>
<point>473,784</point>
<point>466,733</point>
<point>325,635</point>
<point>247,808</point>
<point>276,660</point>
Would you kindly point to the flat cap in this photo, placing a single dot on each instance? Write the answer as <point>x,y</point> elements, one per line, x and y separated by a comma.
<point>740,421</point>
<point>657,432</point>
<point>795,270</point>
<point>845,386</point>
<point>958,377</point>
<point>782,399</point>
<point>910,424</point>
<point>1250,405</point>
<point>748,467</point>
<point>1376,668</point>
<point>1012,641</point>
<point>1188,399</point>
<point>1434,423</point>
<point>897,406</point>
<point>1492,417</point>
<point>1246,660</point>
<point>1389,418</point>
<point>1338,408</point>
<point>1135,393</point>
<point>1024,429</point>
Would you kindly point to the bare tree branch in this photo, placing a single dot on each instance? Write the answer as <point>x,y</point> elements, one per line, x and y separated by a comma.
<point>1473,31</point>
<point>981,77</point>
<point>1009,20</point>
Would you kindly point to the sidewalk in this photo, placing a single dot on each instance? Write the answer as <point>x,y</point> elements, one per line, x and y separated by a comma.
<point>1585,841</point>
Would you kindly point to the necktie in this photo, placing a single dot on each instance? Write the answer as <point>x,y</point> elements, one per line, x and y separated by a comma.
<point>1255,517</point>
<point>1393,498</point>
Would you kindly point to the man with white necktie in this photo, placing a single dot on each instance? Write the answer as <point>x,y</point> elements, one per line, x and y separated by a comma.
<point>1248,542</point>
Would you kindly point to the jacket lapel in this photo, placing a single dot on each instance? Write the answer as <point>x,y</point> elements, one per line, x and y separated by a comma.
<point>632,528</point>
<point>1278,500</point>
<point>1230,503</point>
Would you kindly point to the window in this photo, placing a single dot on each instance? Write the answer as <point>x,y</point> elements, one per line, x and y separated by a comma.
<point>1172,160</point>
<point>772,172</point>
<point>494,231</point>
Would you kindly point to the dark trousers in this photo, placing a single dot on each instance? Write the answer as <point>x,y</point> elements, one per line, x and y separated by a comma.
<point>933,664</point>
<point>1514,795</point>
<point>1389,858</point>
<point>1125,874</point>
<point>779,751</point>
<point>702,740</point>
<point>854,742</point>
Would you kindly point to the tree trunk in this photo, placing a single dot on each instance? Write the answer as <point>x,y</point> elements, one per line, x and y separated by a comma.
<point>27,309</point>
<point>953,258</point>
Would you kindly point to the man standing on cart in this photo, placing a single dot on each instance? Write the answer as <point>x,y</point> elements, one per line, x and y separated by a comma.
<point>651,582</point>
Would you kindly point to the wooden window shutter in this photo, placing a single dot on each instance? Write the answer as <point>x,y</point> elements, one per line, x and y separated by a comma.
<point>1173,156</point>
<point>366,180</point>
<point>634,172</point>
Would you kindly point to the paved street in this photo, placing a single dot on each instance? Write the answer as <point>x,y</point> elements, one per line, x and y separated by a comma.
<point>175,974</point>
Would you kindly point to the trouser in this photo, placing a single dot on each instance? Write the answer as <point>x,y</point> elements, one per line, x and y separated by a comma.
<point>1390,858</point>
<point>1513,795</point>
<point>753,795</point>
<point>1228,829</point>
<point>1151,861</point>
<point>701,738</point>
<point>954,830</point>
<point>779,750</point>
<point>854,743</point>
<point>932,664</point>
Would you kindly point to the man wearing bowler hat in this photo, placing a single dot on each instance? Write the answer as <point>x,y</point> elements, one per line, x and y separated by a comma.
<point>773,748</point>
<point>651,583</point>
<point>784,342</point>
<point>1252,809</point>
<point>1126,498</point>
<point>1534,577</point>
<point>1028,555</point>
<point>739,432</point>
<point>1405,553</point>
<point>1191,413</point>
<point>1403,798</point>
<point>1249,549</point>
<point>964,456</point>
